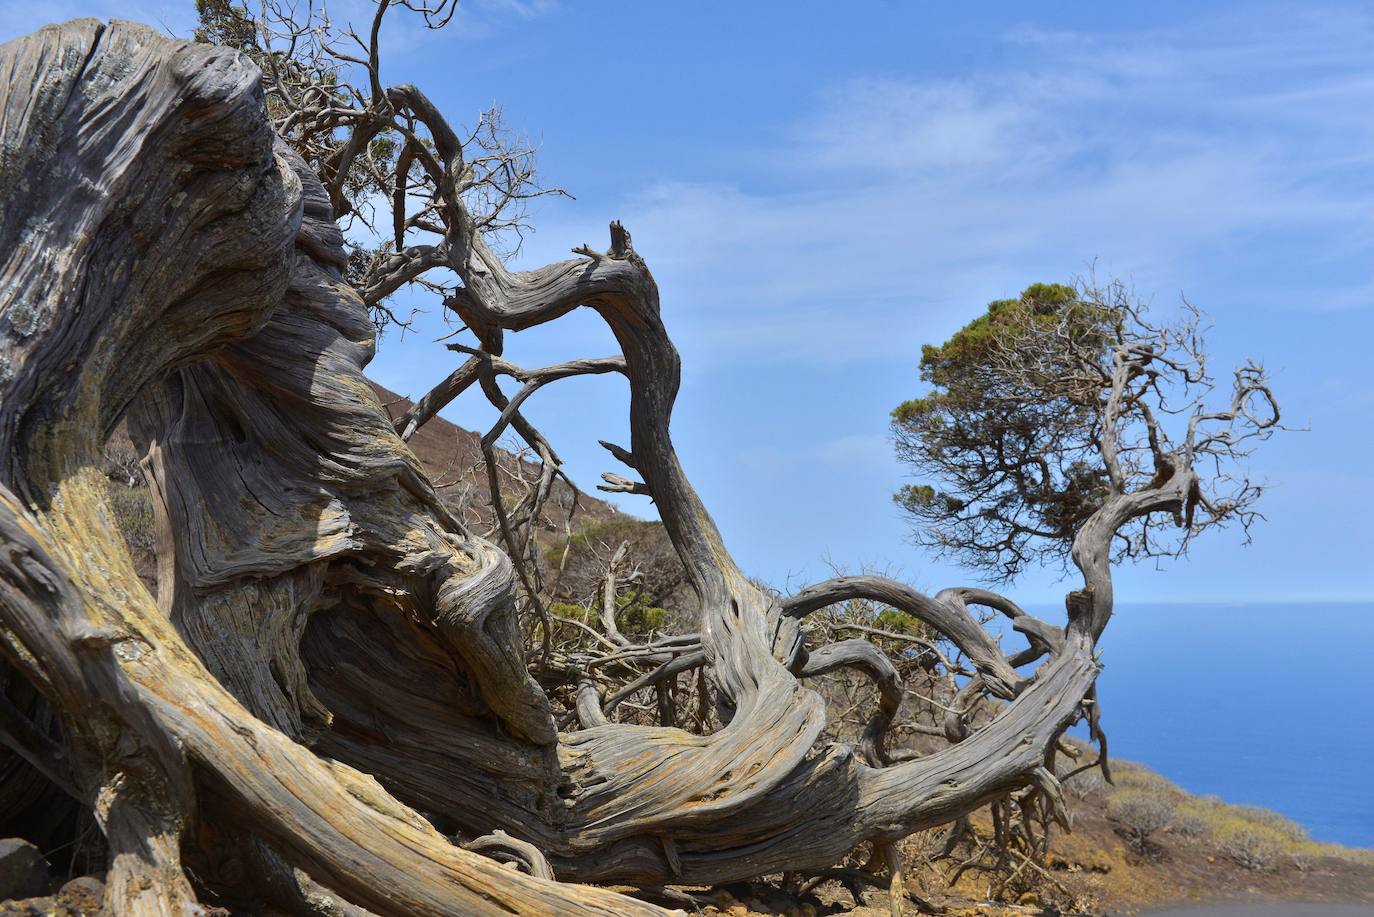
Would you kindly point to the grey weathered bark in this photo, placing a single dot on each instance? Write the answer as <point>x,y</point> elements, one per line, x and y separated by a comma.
<point>146,224</point>
<point>328,647</point>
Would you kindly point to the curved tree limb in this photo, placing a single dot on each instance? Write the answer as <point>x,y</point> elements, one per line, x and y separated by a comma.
<point>329,647</point>
<point>139,119</point>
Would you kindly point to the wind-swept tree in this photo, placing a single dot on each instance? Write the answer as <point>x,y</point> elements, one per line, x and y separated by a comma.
<point>1047,406</point>
<point>330,652</point>
<point>1065,427</point>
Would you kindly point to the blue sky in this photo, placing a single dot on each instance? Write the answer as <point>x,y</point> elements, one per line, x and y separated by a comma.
<point>821,188</point>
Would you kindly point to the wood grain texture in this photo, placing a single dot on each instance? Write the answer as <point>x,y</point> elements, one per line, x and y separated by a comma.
<point>156,228</point>
<point>329,651</point>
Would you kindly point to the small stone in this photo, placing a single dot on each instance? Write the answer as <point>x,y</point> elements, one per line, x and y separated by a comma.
<point>23,871</point>
<point>83,895</point>
<point>737,910</point>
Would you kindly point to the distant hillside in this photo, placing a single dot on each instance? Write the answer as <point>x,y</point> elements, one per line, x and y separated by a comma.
<point>453,457</point>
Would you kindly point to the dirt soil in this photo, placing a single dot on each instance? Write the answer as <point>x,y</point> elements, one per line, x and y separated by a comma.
<point>1100,875</point>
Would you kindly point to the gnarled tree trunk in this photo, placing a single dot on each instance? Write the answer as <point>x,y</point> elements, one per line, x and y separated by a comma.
<point>329,652</point>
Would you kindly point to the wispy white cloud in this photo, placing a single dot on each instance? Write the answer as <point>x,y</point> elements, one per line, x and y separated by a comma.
<point>856,451</point>
<point>1155,153</point>
<point>873,128</point>
<point>853,451</point>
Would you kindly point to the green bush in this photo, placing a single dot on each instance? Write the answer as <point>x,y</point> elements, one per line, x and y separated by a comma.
<point>1283,828</point>
<point>568,610</point>
<point>1251,836</point>
<point>636,613</point>
<point>899,622</point>
<point>1130,776</point>
<point>578,577</point>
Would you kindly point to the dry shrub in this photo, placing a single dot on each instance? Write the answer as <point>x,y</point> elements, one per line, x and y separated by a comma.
<point>1086,784</point>
<point>1189,825</point>
<point>920,849</point>
<point>1253,837</point>
<point>1254,848</point>
<point>1139,814</point>
<point>1284,829</point>
<point>1084,893</point>
<point>1128,775</point>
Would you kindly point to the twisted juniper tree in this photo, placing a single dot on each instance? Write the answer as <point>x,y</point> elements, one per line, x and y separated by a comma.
<point>1051,423</point>
<point>327,702</point>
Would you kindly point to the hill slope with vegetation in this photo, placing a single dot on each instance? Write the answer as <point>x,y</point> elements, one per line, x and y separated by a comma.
<point>1138,846</point>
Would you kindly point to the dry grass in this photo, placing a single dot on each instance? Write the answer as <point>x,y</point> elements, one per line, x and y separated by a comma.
<point>1253,836</point>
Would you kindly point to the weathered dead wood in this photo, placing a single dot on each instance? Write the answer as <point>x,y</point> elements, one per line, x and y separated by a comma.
<point>329,648</point>
<point>159,228</point>
<point>775,722</point>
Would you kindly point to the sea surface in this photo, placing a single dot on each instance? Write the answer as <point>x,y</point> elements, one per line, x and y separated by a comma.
<point>1271,705</point>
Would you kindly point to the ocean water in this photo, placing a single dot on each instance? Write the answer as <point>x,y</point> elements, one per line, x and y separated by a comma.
<point>1271,705</point>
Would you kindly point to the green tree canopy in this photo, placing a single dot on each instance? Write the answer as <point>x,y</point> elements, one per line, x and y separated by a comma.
<point>1007,446</point>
